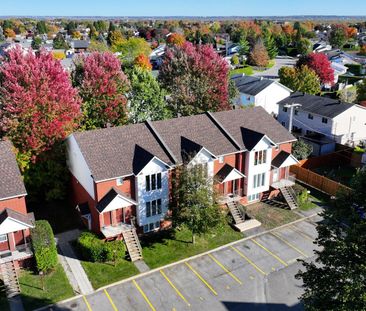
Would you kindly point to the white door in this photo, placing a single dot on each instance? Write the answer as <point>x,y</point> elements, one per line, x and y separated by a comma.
<point>275,175</point>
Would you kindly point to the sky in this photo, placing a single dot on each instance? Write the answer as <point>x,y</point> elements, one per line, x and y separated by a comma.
<point>181,8</point>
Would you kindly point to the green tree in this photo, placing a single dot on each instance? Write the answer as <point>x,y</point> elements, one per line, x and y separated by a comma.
<point>244,47</point>
<point>115,38</point>
<point>2,37</point>
<point>338,37</point>
<point>71,27</point>
<point>131,48</point>
<point>303,46</point>
<point>146,98</point>
<point>337,278</point>
<point>301,79</point>
<point>271,47</point>
<point>195,206</point>
<point>301,150</point>
<point>36,43</point>
<point>100,26</point>
<point>41,27</point>
<point>98,46</point>
<point>59,42</point>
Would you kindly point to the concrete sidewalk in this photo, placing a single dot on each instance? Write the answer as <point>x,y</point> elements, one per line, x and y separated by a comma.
<point>71,264</point>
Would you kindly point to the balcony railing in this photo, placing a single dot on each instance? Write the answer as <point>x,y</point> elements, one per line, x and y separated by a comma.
<point>285,182</point>
<point>22,252</point>
<point>236,195</point>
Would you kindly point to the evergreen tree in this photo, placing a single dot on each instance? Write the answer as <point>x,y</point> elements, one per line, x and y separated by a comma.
<point>2,37</point>
<point>271,47</point>
<point>59,42</point>
<point>243,47</point>
<point>36,43</point>
<point>41,27</point>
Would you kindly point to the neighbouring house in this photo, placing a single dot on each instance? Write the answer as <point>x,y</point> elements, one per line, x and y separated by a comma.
<point>324,121</point>
<point>258,91</point>
<point>124,175</point>
<point>79,46</point>
<point>15,221</point>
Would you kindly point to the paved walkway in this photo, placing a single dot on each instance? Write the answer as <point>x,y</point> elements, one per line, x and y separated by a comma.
<point>141,266</point>
<point>71,264</point>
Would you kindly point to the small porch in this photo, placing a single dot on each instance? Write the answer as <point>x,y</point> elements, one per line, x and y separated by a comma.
<point>229,183</point>
<point>115,230</point>
<point>281,176</point>
<point>21,252</point>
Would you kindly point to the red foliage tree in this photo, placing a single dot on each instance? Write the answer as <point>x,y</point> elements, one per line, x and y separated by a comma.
<point>320,64</point>
<point>38,104</point>
<point>143,62</point>
<point>102,86</point>
<point>197,78</point>
<point>176,39</point>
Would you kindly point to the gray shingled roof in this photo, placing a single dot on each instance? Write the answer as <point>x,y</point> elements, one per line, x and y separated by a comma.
<point>280,158</point>
<point>119,151</point>
<point>109,197</point>
<point>251,85</point>
<point>125,150</point>
<point>240,123</point>
<point>186,135</point>
<point>11,183</point>
<point>323,106</point>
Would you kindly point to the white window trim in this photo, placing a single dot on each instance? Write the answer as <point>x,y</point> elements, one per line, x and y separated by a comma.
<point>2,236</point>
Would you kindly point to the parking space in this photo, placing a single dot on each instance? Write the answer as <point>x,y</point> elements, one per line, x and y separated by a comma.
<point>237,275</point>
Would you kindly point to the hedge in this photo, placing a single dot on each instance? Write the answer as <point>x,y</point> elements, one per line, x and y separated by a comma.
<point>44,246</point>
<point>95,250</point>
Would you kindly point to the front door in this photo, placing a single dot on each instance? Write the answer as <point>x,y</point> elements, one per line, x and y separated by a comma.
<point>275,175</point>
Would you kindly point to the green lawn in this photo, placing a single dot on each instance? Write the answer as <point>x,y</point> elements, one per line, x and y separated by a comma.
<point>56,285</point>
<point>315,199</point>
<point>170,246</point>
<point>248,71</point>
<point>271,217</point>
<point>101,274</point>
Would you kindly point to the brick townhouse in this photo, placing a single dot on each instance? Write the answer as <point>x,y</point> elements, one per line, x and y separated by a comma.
<point>124,173</point>
<point>15,221</point>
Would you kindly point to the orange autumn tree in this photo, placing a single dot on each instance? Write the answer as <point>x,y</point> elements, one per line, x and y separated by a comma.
<point>143,62</point>
<point>176,39</point>
<point>9,33</point>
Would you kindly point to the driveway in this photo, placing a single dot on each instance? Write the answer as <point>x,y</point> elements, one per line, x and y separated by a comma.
<point>254,274</point>
<point>280,61</point>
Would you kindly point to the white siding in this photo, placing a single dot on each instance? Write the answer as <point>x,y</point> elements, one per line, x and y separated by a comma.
<point>143,196</point>
<point>268,98</point>
<point>77,165</point>
<point>251,169</point>
<point>203,157</point>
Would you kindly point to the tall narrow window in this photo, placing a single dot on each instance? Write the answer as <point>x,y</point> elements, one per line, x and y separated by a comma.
<point>147,183</point>
<point>159,206</point>
<point>153,209</point>
<point>148,209</point>
<point>153,182</point>
<point>158,186</point>
<point>263,179</point>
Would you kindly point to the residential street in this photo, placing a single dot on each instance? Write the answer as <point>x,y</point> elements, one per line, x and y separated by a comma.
<point>280,61</point>
<point>255,274</point>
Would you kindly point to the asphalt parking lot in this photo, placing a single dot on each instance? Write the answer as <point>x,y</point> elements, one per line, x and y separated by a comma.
<point>255,274</point>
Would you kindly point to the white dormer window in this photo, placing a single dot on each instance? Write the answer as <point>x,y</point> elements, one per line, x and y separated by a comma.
<point>260,157</point>
<point>153,182</point>
<point>119,181</point>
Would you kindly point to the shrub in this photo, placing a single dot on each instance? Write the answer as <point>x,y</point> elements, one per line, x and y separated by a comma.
<point>44,246</point>
<point>303,197</point>
<point>96,250</point>
<point>235,60</point>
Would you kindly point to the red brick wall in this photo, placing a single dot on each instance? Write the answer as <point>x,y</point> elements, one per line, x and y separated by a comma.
<point>16,204</point>
<point>128,187</point>
<point>4,246</point>
<point>228,159</point>
<point>285,147</point>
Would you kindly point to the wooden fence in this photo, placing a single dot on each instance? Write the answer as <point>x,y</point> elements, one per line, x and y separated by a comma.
<point>317,181</point>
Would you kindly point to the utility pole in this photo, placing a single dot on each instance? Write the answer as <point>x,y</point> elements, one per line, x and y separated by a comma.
<point>291,106</point>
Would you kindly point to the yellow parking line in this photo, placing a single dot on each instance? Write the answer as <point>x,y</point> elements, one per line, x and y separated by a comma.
<point>224,268</point>
<point>87,304</point>
<point>248,260</point>
<point>110,300</point>
<point>293,228</point>
<point>176,289</point>
<point>201,278</point>
<point>144,295</point>
<point>289,244</point>
<point>269,252</point>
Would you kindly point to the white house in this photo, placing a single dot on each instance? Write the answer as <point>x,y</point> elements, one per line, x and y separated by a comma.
<point>258,91</point>
<point>324,119</point>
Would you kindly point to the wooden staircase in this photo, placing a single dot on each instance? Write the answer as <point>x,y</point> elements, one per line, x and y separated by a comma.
<point>236,212</point>
<point>132,243</point>
<point>272,202</point>
<point>290,197</point>
<point>10,278</point>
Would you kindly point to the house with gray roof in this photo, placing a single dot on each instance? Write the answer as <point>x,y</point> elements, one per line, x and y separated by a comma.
<point>258,91</point>
<point>122,176</point>
<point>324,121</point>
<point>15,221</point>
